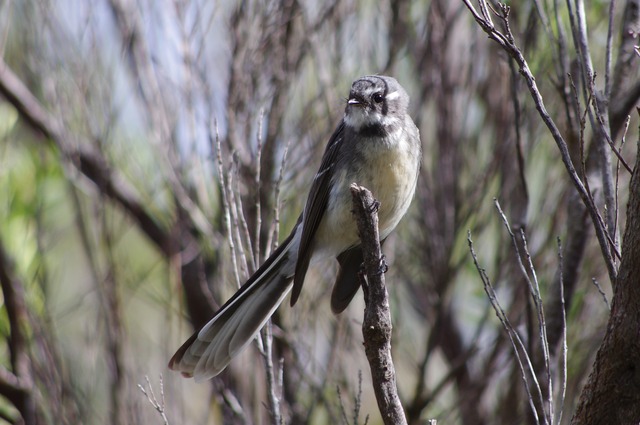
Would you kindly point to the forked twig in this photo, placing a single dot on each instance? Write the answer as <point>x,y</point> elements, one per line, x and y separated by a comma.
<point>153,400</point>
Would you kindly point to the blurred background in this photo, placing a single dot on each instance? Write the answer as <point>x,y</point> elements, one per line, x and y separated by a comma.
<point>152,153</point>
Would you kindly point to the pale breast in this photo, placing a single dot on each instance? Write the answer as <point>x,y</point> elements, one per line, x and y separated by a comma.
<point>391,178</point>
<point>389,170</point>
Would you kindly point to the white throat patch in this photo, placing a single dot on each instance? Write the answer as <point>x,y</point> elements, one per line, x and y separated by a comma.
<point>358,118</point>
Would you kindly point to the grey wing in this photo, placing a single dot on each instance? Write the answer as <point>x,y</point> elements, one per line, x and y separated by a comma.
<point>315,208</point>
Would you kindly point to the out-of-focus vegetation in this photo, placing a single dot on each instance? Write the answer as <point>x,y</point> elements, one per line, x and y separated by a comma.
<point>125,127</point>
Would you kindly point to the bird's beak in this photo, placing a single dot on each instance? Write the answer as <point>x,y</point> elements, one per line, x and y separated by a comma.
<point>354,101</point>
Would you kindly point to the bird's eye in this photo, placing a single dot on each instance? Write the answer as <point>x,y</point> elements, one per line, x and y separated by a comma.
<point>377,97</point>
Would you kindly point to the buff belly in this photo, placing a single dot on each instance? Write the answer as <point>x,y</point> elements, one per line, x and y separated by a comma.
<point>390,173</point>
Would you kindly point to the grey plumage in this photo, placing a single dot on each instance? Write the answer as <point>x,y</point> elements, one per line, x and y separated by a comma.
<point>376,145</point>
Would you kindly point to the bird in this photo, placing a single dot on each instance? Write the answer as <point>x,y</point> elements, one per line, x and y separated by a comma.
<point>376,145</point>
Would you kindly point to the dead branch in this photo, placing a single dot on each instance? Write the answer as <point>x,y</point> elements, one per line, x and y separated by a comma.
<point>376,326</point>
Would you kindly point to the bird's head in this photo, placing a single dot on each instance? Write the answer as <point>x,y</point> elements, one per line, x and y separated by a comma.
<point>375,105</point>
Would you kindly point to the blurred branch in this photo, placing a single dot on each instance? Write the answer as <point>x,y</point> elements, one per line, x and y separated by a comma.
<point>441,195</point>
<point>141,67</point>
<point>607,65</point>
<point>625,88</point>
<point>357,400</point>
<point>598,111</point>
<point>16,386</point>
<point>457,368</point>
<point>266,339</point>
<point>376,326</point>
<point>622,107</point>
<point>566,276</point>
<point>84,156</point>
<point>111,311</point>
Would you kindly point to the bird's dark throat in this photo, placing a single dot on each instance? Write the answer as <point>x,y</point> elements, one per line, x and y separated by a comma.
<point>373,130</point>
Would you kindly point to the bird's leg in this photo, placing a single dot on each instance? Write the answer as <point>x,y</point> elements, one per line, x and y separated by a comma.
<point>375,206</point>
<point>383,267</point>
<point>362,278</point>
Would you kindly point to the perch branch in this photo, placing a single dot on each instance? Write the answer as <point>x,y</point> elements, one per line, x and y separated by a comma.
<point>376,326</point>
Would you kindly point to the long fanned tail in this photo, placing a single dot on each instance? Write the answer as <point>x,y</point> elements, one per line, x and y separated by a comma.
<point>234,326</point>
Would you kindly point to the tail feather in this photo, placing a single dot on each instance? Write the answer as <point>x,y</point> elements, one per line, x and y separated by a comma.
<point>234,326</point>
<point>225,341</point>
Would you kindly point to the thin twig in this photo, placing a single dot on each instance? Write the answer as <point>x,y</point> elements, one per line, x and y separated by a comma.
<point>617,206</point>
<point>602,293</point>
<point>542,327</point>
<point>613,147</point>
<point>514,338</point>
<point>563,364</point>
<point>158,405</point>
<point>343,410</point>
<point>607,67</point>
<point>242,228</point>
<point>226,208</point>
<point>357,399</point>
<point>275,226</point>
<point>258,183</point>
<point>267,352</point>
<point>534,289</point>
<point>598,111</point>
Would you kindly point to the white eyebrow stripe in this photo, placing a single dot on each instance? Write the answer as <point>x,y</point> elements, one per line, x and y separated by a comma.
<point>393,95</point>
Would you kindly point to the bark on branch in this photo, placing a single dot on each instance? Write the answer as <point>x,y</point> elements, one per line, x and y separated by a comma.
<point>376,326</point>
